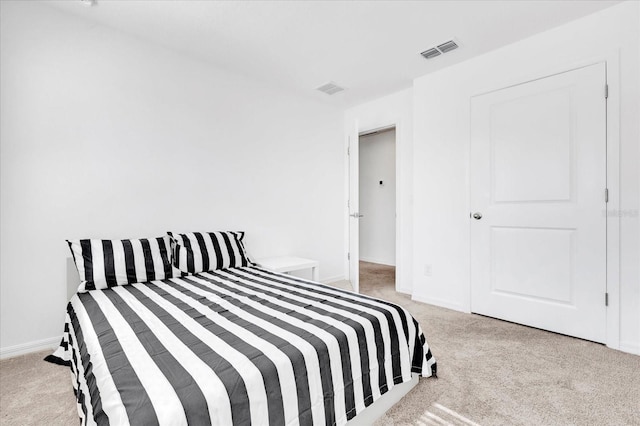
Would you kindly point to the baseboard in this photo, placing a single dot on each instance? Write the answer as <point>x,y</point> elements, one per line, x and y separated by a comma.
<point>630,347</point>
<point>405,291</point>
<point>26,348</point>
<point>439,302</point>
<point>333,279</point>
<point>378,261</point>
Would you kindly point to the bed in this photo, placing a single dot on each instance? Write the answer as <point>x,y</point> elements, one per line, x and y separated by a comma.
<point>237,345</point>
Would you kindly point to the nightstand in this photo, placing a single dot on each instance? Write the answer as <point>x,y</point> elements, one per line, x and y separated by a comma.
<point>290,264</point>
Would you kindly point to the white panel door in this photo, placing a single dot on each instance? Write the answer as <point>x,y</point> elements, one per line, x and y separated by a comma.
<point>538,223</point>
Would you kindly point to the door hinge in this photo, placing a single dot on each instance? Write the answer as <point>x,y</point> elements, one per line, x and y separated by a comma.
<point>606,195</point>
<point>348,256</point>
<point>348,150</point>
<point>606,91</point>
<point>606,299</point>
<point>349,203</point>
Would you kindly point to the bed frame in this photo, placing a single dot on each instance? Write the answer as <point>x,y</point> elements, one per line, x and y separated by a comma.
<point>376,410</point>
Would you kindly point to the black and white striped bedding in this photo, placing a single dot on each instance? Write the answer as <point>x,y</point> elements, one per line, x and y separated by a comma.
<point>236,346</point>
<point>107,263</point>
<point>205,251</point>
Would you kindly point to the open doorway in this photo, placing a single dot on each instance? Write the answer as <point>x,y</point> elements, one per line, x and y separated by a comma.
<point>377,209</point>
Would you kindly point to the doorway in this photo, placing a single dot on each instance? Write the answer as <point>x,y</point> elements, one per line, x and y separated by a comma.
<point>376,219</point>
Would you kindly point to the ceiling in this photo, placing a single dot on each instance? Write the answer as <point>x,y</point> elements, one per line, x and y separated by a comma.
<point>370,47</point>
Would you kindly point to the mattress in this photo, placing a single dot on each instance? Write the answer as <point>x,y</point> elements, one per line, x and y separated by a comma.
<point>235,346</point>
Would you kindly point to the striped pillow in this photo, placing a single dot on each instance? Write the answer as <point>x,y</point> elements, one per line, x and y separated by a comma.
<point>206,251</point>
<point>107,263</point>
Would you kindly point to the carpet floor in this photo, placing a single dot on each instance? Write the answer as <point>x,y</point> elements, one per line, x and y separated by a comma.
<point>493,372</point>
<point>490,372</point>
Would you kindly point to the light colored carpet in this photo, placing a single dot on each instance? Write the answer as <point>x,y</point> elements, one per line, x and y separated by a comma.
<point>490,372</point>
<point>493,372</point>
<point>35,392</point>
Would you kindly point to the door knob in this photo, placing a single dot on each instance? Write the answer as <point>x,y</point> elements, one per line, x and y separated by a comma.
<point>477,215</point>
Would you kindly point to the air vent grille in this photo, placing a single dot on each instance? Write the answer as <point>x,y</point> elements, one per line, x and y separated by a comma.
<point>445,47</point>
<point>330,88</point>
<point>431,53</point>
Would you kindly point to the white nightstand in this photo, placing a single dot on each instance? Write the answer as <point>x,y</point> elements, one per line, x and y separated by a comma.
<point>290,264</point>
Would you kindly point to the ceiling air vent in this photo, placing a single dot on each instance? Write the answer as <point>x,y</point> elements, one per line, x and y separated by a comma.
<point>445,47</point>
<point>330,88</point>
<point>431,53</point>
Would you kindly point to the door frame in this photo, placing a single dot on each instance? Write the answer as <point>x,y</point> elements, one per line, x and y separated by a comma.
<point>353,137</point>
<point>612,75</point>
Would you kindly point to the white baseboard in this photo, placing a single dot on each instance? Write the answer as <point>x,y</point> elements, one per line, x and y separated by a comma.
<point>25,348</point>
<point>630,347</point>
<point>439,302</point>
<point>406,291</point>
<point>378,261</point>
<point>331,280</point>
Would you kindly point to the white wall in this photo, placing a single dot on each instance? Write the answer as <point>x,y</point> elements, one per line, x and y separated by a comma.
<point>105,135</point>
<point>395,109</point>
<point>378,202</point>
<point>441,155</point>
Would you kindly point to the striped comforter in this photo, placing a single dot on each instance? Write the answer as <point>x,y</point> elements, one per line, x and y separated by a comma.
<point>235,346</point>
